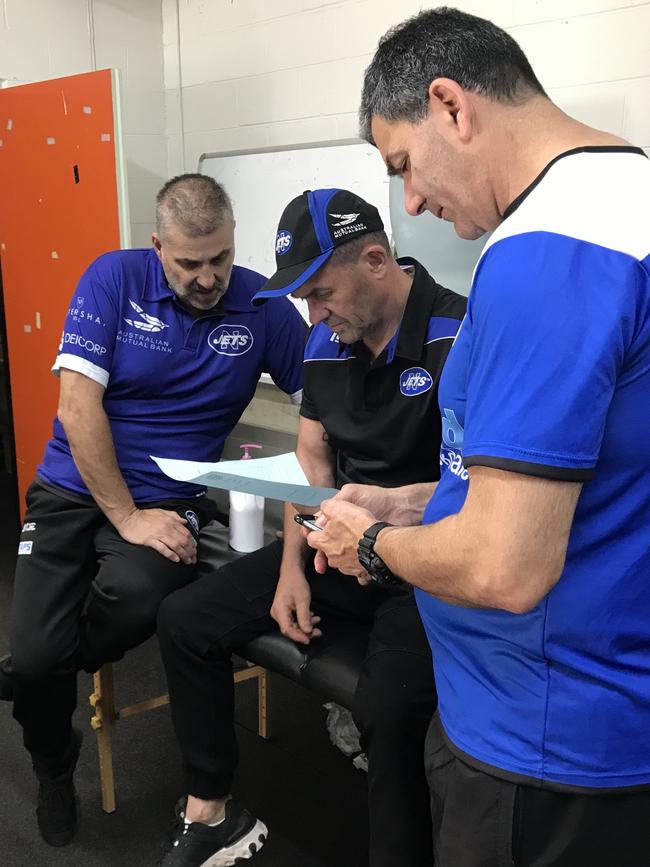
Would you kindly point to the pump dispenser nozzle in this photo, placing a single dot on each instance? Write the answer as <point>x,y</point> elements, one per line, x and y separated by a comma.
<point>246,446</point>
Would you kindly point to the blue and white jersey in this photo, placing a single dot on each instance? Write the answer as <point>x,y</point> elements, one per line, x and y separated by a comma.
<point>550,376</point>
<point>175,384</point>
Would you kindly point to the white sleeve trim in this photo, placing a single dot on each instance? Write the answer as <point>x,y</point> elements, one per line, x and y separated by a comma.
<point>296,398</point>
<point>80,365</point>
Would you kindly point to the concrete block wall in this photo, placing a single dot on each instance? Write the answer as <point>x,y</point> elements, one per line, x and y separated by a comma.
<point>250,74</point>
<point>215,75</point>
<point>42,39</point>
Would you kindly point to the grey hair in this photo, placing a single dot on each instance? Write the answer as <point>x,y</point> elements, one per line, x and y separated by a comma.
<point>348,253</point>
<point>194,203</point>
<point>442,43</point>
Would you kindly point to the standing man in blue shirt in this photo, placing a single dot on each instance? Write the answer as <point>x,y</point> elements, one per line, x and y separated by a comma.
<point>533,574</point>
<point>161,352</point>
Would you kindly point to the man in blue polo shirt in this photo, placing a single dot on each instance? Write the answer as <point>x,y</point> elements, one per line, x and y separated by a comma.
<point>160,354</point>
<point>533,573</point>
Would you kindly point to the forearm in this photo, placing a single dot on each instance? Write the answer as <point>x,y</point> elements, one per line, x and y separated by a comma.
<point>318,467</point>
<point>91,444</point>
<point>294,549</point>
<point>440,559</point>
<point>504,549</point>
<point>488,556</point>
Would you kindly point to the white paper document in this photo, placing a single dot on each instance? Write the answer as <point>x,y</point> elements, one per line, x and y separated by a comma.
<point>278,478</point>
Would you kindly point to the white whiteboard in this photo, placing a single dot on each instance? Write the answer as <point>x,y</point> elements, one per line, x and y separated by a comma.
<point>262,183</point>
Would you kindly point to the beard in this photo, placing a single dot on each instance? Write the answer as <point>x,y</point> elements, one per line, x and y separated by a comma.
<point>199,297</point>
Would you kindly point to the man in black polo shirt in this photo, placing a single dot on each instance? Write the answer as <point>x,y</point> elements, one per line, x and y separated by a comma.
<point>382,330</point>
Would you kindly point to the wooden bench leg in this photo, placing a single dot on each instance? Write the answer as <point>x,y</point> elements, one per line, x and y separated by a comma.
<point>260,675</point>
<point>103,701</point>
<point>262,704</point>
<point>105,717</point>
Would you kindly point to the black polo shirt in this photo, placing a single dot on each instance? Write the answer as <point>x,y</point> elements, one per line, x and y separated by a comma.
<point>382,416</point>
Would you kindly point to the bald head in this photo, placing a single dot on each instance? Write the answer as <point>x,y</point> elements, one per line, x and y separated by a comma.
<point>194,204</point>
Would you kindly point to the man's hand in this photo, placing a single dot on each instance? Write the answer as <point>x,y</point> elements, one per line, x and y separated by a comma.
<point>291,608</point>
<point>162,530</point>
<point>371,497</point>
<point>400,506</point>
<point>337,543</point>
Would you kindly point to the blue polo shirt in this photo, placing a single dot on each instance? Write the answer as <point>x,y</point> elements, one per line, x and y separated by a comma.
<point>175,384</point>
<point>550,376</point>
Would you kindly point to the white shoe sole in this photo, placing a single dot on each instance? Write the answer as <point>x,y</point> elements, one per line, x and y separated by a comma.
<point>249,845</point>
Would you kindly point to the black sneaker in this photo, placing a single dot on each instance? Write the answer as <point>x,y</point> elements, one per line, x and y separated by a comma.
<point>57,810</point>
<point>6,679</point>
<point>237,838</point>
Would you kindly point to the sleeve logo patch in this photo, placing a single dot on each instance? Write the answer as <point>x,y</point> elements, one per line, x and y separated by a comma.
<point>414,381</point>
<point>25,547</point>
<point>82,342</point>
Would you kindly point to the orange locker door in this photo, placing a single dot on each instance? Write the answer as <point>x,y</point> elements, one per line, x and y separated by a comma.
<point>62,203</point>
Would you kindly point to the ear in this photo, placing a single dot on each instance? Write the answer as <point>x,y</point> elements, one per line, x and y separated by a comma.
<point>452,109</point>
<point>155,240</point>
<point>376,258</point>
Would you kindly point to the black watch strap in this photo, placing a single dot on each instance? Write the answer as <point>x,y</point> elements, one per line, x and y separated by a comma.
<point>372,532</point>
<point>371,562</point>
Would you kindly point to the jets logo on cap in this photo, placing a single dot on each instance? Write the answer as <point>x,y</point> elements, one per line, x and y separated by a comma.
<point>283,242</point>
<point>345,219</point>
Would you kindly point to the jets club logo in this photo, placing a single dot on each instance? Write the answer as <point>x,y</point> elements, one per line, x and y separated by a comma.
<point>415,380</point>
<point>145,322</point>
<point>230,339</point>
<point>283,242</point>
<point>193,520</point>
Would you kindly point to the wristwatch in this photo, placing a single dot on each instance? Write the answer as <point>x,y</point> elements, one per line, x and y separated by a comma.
<point>371,562</point>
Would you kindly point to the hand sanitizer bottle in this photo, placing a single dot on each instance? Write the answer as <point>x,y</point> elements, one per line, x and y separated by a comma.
<point>246,528</point>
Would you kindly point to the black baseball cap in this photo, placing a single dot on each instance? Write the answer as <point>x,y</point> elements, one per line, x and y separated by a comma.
<point>312,226</point>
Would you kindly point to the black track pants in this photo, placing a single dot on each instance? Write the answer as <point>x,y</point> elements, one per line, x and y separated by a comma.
<point>82,596</point>
<point>482,821</point>
<point>200,626</point>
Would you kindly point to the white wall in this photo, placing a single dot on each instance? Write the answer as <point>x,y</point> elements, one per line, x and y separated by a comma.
<point>42,39</point>
<point>215,75</point>
<point>254,73</point>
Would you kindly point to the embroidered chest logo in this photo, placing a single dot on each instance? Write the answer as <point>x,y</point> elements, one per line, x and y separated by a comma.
<point>145,322</point>
<point>230,339</point>
<point>414,381</point>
